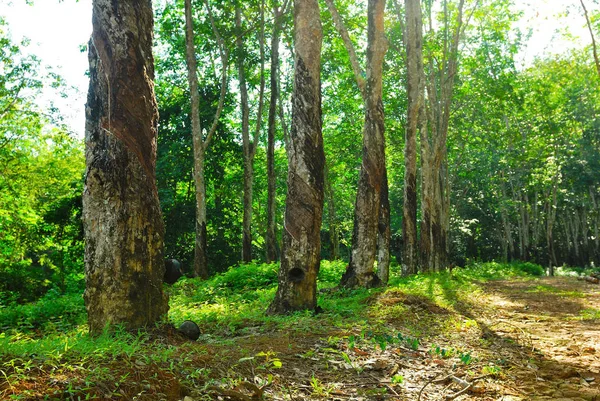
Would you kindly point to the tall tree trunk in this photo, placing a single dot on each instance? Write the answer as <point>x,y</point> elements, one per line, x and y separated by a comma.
<point>550,219</point>
<point>366,210</point>
<point>123,226</point>
<point>594,48</point>
<point>509,243</point>
<point>435,185</point>
<point>333,229</point>
<point>247,146</point>
<point>384,233</point>
<point>584,236</point>
<point>200,260</point>
<point>414,56</point>
<point>596,218</point>
<point>300,256</point>
<point>271,239</point>
<point>200,144</point>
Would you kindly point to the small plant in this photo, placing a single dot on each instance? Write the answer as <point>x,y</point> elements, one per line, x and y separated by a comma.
<point>397,379</point>
<point>319,389</point>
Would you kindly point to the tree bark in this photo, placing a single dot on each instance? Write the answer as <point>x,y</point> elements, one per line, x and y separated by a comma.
<point>384,233</point>
<point>247,146</point>
<point>200,144</point>
<point>271,238</point>
<point>123,225</point>
<point>333,229</point>
<point>359,272</point>
<point>434,166</point>
<point>301,249</point>
<point>414,56</point>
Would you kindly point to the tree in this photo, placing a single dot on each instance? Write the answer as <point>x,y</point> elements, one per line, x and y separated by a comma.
<point>441,70</point>
<point>415,78</point>
<point>270,238</point>
<point>123,225</point>
<point>200,142</point>
<point>300,255</point>
<point>372,174</point>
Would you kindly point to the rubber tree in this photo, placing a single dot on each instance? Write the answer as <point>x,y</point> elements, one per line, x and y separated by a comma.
<point>373,178</point>
<point>300,254</point>
<point>123,225</point>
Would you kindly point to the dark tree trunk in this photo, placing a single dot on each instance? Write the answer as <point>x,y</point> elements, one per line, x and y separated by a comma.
<point>366,210</point>
<point>123,225</point>
<point>384,233</point>
<point>333,229</point>
<point>414,55</point>
<point>300,256</point>
<point>271,238</point>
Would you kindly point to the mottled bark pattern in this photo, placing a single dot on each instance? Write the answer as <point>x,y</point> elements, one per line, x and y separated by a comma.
<point>414,56</point>
<point>271,239</point>
<point>200,259</point>
<point>124,231</point>
<point>384,233</point>
<point>366,210</point>
<point>300,256</point>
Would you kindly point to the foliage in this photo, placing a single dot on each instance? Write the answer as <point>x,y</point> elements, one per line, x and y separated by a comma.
<point>41,167</point>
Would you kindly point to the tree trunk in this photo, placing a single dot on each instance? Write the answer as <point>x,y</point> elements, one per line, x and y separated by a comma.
<point>384,233</point>
<point>333,230</point>
<point>271,238</point>
<point>594,48</point>
<point>550,219</point>
<point>366,211</point>
<point>300,256</point>
<point>247,146</point>
<point>414,55</point>
<point>434,165</point>
<point>200,260</point>
<point>200,144</point>
<point>124,231</point>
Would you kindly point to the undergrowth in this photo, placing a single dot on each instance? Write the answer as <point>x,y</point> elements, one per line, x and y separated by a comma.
<point>51,334</point>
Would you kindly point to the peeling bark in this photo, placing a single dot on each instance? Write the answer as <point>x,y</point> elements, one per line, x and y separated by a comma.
<point>124,231</point>
<point>271,238</point>
<point>300,256</point>
<point>414,55</point>
<point>360,271</point>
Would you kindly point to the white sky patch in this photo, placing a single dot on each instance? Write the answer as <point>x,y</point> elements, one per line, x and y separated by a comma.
<point>556,26</point>
<point>58,29</point>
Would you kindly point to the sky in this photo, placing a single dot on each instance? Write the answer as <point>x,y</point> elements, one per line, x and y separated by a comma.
<point>58,29</point>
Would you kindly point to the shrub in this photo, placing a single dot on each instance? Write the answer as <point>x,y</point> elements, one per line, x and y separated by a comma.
<point>531,269</point>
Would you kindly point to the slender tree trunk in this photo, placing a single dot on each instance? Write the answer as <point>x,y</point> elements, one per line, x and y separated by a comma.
<point>333,229</point>
<point>550,219</point>
<point>596,218</point>
<point>384,233</point>
<point>575,236</point>
<point>568,239</point>
<point>271,238</point>
<point>247,146</point>
<point>123,226</point>
<point>435,185</point>
<point>584,237</point>
<point>594,48</point>
<point>200,144</point>
<point>414,56</point>
<point>300,256</point>
<point>200,260</point>
<point>366,210</point>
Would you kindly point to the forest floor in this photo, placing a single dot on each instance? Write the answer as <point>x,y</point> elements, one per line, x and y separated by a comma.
<point>522,338</point>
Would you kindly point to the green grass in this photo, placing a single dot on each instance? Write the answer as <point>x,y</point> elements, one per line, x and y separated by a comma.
<point>556,291</point>
<point>230,304</point>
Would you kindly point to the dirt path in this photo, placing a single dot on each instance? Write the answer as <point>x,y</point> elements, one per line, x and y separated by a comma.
<point>514,340</point>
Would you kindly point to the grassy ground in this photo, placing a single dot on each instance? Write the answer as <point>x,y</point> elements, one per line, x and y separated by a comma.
<point>501,330</point>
